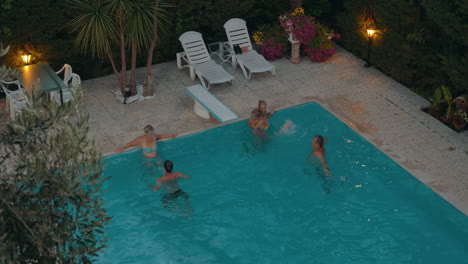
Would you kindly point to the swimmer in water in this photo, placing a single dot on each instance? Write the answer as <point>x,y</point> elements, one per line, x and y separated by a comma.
<point>170,182</point>
<point>148,142</point>
<point>260,113</point>
<point>262,105</point>
<point>318,151</point>
<point>259,125</point>
<point>317,159</point>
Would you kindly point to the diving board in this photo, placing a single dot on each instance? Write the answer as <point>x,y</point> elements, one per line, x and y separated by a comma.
<point>206,103</point>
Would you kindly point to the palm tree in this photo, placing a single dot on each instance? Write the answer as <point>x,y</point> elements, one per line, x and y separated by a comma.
<point>138,32</point>
<point>119,10</point>
<point>95,30</point>
<point>159,18</point>
<point>124,23</point>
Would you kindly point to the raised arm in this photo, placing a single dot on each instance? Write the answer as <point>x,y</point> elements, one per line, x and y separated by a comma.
<point>130,144</point>
<point>167,136</point>
<point>181,175</point>
<point>270,114</point>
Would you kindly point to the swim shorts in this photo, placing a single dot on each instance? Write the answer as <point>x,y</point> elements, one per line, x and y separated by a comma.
<point>168,197</point>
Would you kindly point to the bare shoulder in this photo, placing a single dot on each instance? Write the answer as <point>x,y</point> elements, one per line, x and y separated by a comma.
<point>319,154</point>
<point>179,174</point>
<point>168,177</point>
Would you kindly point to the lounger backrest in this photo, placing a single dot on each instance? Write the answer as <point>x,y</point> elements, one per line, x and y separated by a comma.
<point>237,33</point>
<point>194,47</point>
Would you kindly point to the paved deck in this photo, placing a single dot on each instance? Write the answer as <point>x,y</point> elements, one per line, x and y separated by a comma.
<point>380,109</point>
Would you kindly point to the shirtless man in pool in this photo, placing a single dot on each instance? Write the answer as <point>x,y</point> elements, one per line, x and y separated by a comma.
<point>169,180</point>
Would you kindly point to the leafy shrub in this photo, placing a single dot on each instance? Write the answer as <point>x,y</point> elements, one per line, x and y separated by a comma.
<point>316,38</point>
<point>51,208</point>
<point>321,47</point>
<point>298,26</point>
<point>452,112</point>
<point>272,41</point>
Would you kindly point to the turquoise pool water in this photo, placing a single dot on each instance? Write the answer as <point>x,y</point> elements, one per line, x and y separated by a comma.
<point>269,205</point>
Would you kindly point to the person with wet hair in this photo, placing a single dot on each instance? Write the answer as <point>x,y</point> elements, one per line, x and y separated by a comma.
<point>259,125</point>
<point>148,142</point>
<point>262,105</point>
<point>260,113</point>
<point>170,182</point>
<point>318,150</point>
<point>317,160</point>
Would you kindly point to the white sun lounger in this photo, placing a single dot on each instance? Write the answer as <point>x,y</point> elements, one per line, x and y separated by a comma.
<point>200,62</point>
<point>237,33</point>
<point>206,103</point>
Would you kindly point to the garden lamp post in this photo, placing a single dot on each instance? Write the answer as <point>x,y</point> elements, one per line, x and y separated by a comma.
<point>370,35</point>
<point>26,58</point>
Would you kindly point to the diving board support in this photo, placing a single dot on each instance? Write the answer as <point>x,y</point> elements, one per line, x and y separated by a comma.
<point>200,110</point>
<point>206,104</point>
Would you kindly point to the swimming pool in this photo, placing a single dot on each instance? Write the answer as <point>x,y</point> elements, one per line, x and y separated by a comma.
<point>269,205</point>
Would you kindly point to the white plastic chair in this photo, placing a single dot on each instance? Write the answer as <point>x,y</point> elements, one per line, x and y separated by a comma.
<point>16,100</point>
<point>71,80</point>
<point>75,80</point>
<point>67,73</point>
<point>250,62</point>
<point>200,62</point>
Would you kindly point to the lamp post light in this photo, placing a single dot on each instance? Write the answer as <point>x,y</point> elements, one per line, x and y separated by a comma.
<point>26,58</point>
<point>370,35</point>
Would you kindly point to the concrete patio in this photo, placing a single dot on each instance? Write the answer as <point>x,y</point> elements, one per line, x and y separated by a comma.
<point>382,110</point>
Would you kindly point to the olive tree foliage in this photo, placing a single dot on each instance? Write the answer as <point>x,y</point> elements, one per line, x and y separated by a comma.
<point>6,73</point>
<point>51,207</point>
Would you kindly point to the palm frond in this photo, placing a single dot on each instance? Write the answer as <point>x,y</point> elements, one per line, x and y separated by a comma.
<point>94,25</point>
<point>162,14</point>
<point>138,23</point>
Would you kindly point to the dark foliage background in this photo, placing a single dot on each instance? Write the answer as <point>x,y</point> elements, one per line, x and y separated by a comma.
<point>421,43</point>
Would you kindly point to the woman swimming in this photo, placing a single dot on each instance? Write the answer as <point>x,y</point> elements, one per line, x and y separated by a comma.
<point>148,142</point>
<point>258,124</point>
<point>262,105</point>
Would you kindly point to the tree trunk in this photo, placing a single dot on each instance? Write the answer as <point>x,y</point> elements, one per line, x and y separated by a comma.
<point>123,71</point>
<point>133,68</point>
<point>148,86</point>
<point>116,73</point>
<point>295,4</point>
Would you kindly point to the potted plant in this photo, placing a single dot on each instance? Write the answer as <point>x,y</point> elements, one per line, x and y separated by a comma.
<point>300,28</point>
<point>305,30</point>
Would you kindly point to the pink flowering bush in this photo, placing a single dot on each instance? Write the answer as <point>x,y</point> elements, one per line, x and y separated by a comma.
<point>321,47</point>
<point>300,27</point>
<point>272,41</point>
<point>272,50</point>
<point>316,38</point>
